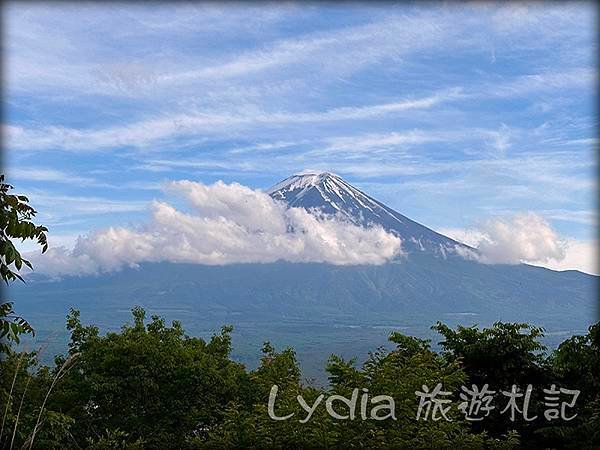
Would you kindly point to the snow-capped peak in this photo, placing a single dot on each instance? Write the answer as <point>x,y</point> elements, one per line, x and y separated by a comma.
<point>330,194</point>
<point>302,181</point>
<point>327,191</point>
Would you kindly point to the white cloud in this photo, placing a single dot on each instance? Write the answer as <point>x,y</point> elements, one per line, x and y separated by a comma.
<point>470,236</point>
<point>585,217</point>
<point>523,237</point>
<point>153,131</point>
<point>43,42</point>
<point>83,49</point>
<point>57,205</point>
<point>33,38</point>
<point>377,142</point>
<point>227,223</point>
<point>340,51</point>
<point>579,255</point>
<point>547,81</point>
<point>52,175</point>
<point>501,139</point>
<point>526,238</point>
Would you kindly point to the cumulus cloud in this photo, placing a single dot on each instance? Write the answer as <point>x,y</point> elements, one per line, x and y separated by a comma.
<point>224,224</point>
<point>525,238</point>
<point>579,255</point>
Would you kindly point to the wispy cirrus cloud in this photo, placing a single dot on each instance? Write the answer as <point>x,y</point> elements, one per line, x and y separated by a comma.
<point>342,50</point>
<point>545,81</point>
<point>41,174</point>
<point>71,205</point>
<point>153,131</point>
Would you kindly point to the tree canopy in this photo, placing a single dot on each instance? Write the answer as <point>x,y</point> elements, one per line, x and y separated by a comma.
<point>150,385</point>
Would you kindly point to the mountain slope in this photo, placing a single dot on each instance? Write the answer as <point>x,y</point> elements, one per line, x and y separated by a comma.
<point>330,194</point>
<point>318,309</point>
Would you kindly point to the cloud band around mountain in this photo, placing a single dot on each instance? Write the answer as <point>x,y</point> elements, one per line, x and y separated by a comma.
<point>223,224</point>
<point>231,223</point>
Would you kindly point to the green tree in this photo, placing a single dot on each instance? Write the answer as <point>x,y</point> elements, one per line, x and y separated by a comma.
<point>15,223</point>
<point>577,360</point>
<point>150,386</point>
<point>576,364</point>
<point>397,373</point>
<point>149,383</point>
<point>501,356</point>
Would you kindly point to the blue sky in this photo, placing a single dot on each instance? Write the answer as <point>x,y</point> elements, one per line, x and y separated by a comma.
<point>449,113</point>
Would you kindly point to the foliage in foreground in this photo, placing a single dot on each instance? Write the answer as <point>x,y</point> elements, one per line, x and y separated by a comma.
<point>151,386</point>
<point>15,224</point>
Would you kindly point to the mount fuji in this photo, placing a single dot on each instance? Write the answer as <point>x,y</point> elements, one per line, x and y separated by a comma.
<point>330,194</point>
<point>319,308</point>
